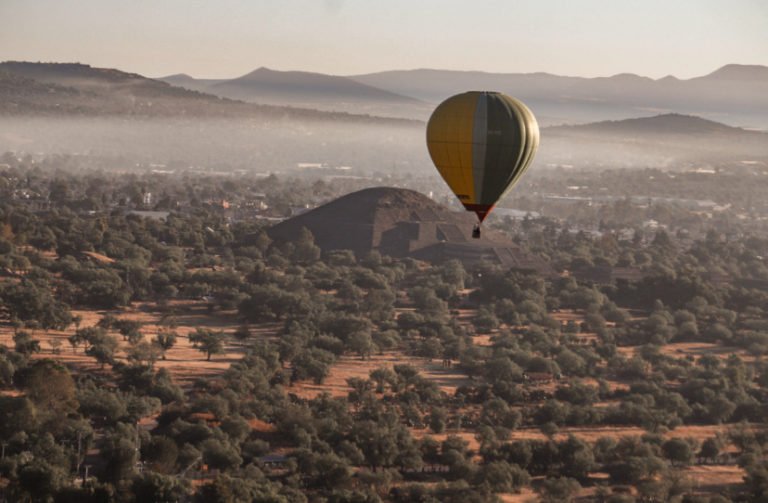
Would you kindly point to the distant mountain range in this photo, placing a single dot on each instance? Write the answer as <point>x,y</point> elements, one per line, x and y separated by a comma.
<point>308,90</point>
<point>72,89</point>
<point>733,94</point>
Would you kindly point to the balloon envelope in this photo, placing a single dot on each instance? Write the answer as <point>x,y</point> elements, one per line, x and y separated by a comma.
<point>481,143</point>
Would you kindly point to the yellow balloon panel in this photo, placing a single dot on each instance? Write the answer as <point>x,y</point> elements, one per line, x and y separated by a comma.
<point>449,140</point>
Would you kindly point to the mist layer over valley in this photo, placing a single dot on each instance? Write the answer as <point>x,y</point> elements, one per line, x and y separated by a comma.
<point>234,143</point>
<point>363,148</point>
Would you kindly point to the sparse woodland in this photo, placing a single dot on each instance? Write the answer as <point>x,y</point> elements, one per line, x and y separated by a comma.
<point>566,388</point>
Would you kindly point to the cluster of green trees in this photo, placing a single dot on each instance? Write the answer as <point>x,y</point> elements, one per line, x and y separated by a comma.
<point>130,433</point>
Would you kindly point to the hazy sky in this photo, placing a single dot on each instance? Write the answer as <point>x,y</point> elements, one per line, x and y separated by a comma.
<point>227,38</point>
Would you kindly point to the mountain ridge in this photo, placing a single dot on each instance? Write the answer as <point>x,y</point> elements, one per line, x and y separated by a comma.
<point>672,123</point>
<point>266,80</point>
<point>736,94</point>
<point>82,90</point>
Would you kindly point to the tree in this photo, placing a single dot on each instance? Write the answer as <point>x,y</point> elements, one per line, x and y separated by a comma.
<point>678,451</point>
<point>485,320</point>
<point>503,477</point>
<point>304,249</point>
<point>121,456</point>
<point>559,490</point>
<point>18,415</point>
<point>29,301</point>
<point>314,363</point>
<point>51,388</point>
<point>437,419</point>
<point>243,333</point>
<point>143,353</point>
<point>208,342</point>
<point>74,341</point>
<point>378,441</point>
<point>386,339</point>
<point>129,329</point>
<point>55,344</point>
<point>103,348</point>
<point>25,344</point>
<point>361,343</point>
<point>576,457</point>
<point>383,376</point>
<point>161,454</point>
<point>571,363</point>
<point>710,449</point>
<point>107,322</point>
<point>507,312</point>
<point>165,340</point>
<point>86,336</point>
<point>41,479</point>
<point>756,480</point>
<point>152,487</point>
<point>496,412</point>
<point>220,454</point>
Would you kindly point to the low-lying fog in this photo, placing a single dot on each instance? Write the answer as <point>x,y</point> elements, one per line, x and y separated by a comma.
<point>365,147</point>
<point>239,144</point>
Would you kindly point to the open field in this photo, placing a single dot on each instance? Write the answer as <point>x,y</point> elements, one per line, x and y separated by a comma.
<point>185,362</point>
<point>695,349</point>
<point>347,367</point>
<point>587,433</point>
<point>526,494</point>
<point>713,477</point>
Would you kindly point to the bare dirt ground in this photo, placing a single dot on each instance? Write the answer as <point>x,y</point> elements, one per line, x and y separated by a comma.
<point>566,315</point>
<point>680,349</point>
<point>348,366</point>
<point>695,349</point>
<point>714,477</point>
<point>592,433</point>
<point>587,433</point>
<point>705,480</point>
<point>483,340</point>
<point>526,494</point>
<point>185,362</point>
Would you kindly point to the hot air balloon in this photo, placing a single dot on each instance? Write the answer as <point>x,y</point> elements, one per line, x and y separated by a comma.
<point>481,143</point>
